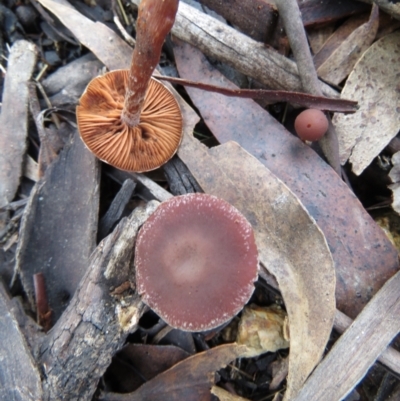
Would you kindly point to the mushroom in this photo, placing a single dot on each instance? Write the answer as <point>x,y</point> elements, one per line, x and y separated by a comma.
<point>125,117</point>
<point>311,125</point>
<point>196,262</point>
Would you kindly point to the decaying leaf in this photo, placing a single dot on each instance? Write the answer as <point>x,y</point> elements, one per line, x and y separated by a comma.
<point>374,82</point>
<point>14,118</point>
<point>189,380</point>
<point>290,244</point>
<point>348,228</point>
<point>338,66</point>
<point>262,329</point>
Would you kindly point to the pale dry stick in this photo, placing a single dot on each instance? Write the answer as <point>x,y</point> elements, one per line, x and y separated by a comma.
<point>358,348</point>
<point>390,358</point>
<point>291,16</point>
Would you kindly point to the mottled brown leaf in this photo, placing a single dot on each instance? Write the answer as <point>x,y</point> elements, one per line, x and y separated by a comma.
<point>374,82</point>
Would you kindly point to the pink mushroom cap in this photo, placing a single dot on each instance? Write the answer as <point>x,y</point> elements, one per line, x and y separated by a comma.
<point>311,125</point>
<point>196,262</point>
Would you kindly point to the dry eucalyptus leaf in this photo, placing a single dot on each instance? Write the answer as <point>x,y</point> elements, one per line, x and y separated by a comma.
<point>338,66</point>
<point>262,329</point>
<point>97,37</point>
<point>374,83</point>
<point>189,380</point>
<point>338,37</point>
<point>291,246</point>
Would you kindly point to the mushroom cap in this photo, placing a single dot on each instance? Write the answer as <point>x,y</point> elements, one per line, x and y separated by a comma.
<point>311,125</point>
<point>144,147</point>
<point>196,262</point>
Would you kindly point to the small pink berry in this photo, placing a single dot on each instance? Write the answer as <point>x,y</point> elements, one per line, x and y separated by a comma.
<point>311,125</point>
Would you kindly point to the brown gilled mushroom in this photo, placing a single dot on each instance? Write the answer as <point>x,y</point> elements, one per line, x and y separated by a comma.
<point>196,262</point>
<point>125,117</point>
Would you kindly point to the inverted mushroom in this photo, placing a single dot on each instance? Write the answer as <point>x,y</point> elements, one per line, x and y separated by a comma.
<point>196,262</point>
<point>125,117</point>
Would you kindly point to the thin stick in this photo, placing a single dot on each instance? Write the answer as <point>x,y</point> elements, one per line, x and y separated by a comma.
<point>290,13</point>
<point>318,102</point>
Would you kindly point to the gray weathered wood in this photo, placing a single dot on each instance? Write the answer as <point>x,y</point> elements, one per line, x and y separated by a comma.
<point>358,348</point>
<point>19,377</point>
<point>14,118</point>
<point>103,311</point>
<point>248,56</point>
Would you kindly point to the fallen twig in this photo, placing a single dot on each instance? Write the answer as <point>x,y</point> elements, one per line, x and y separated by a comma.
<point>303,99</point>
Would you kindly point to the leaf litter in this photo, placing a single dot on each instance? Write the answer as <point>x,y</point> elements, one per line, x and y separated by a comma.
<point>294,252</point>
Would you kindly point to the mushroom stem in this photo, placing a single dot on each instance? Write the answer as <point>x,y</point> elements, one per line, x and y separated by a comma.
<point>154,22</point>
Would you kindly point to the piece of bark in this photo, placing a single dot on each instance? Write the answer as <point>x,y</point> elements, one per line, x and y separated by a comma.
<point>58,229</point>
<point>237,50</point>
<point>116,208</point>
<point>179,177</point>
<point>14,118</point>
<point>255,18</point>
<point>47,152</point>
<point>348,228</point>
<point>79,348</point>
<point>19,377</point>
<point>358,348</point>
